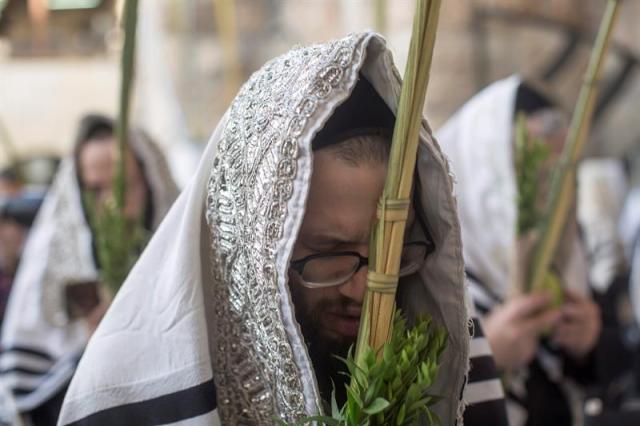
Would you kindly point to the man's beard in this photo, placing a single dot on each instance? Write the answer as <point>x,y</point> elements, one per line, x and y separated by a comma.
<point>323,349</point>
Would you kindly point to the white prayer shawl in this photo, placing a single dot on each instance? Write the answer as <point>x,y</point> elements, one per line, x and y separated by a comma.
<point>40,345</point>
<point>602,186</point>
<point>204,325</point>
<point>9,414</point>
<point>629,226</point>
<point>479,143</point>
<point>478,140</point>
<point>630,231</point>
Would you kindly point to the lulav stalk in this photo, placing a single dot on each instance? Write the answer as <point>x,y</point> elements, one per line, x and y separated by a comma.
<point>130,18</point>
<point>388,233</point>
<point>564,186</point>
<point>117,238</point>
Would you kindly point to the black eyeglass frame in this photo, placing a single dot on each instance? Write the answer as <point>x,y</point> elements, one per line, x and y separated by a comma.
<point>298,265</point>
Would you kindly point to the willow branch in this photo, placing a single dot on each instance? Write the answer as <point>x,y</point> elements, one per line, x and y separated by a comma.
<point>563,187</point>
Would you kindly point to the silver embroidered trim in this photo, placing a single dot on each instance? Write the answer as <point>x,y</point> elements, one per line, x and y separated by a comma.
<point>251,182</point>
<point>68,256</point>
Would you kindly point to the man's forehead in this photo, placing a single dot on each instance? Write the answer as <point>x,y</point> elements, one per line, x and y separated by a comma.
<point>335,226</point>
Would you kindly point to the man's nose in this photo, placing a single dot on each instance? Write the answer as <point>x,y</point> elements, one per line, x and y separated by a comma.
<point>354,289</point>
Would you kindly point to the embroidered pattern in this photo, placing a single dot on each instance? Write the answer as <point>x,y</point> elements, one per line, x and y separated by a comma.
<point>250,185</point>
<point>68,257</point>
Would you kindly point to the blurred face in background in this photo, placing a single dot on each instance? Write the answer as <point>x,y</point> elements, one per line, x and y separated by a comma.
<point>551,126</point>
<point>12,237</point>
<point>9,187</point>
<point>12,233</point>
<point>97,167</point>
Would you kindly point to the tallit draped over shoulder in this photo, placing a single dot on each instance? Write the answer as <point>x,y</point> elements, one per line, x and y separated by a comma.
<point>479,141</point>
<point>204,326</point>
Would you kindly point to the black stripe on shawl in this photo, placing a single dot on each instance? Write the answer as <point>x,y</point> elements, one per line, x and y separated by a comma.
<point>475,331</point>
<point>43,374</point>
<point>481,284</point>
<point>170,408</point>
<point>483,413</point>
<point>24,370</point>
<point>21,391</point>
<point>481,309</point>
<point>482,368</point>
<point>29,351</point>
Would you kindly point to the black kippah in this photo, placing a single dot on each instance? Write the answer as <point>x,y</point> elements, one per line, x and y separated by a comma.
<point>364,112</point>
<point>94,125</point>
<point>530,100</point>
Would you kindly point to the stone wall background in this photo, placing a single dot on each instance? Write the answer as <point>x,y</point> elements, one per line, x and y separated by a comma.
<point>42,97</point>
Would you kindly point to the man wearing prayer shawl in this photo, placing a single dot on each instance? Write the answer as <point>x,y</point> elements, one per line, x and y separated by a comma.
<point>257,275</point>
<point>52,308</point>
<point>544,375</point>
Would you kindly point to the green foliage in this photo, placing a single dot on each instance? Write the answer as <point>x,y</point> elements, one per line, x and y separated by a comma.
<point>118,240</point>
<point>553,286</point>
<point>392,389</point>
<point>531,154</point>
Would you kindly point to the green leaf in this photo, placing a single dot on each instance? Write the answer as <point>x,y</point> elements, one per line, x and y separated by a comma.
<point>401,415</point>
<point>394,389</point>
<point>378,405</point>
<point>355,397</point>
<point>387,353</point>
<point>335,411</point>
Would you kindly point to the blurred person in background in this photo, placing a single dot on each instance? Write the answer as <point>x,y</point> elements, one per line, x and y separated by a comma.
<point>18,208</point>
<point>17,213</point>
<point>547,353</point>
<point>12,233</point>
<point>10,182</point>
<point>57,300</point>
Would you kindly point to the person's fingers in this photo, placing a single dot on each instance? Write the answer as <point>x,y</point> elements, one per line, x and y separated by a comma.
<point>575,312</point>
<point>544,321</point>
<point>563,330</point>
<point>561,336</point>
<point>571,339</point>
<point>572,296</point>
<point>526,305</point>
<point>580,312</point>
<point>579,331</point>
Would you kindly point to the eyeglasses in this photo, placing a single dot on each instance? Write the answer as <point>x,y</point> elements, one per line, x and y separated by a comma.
<point>331,269</point>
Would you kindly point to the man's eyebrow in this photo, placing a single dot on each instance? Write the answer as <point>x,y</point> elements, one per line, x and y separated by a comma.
<point>333,237</point>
